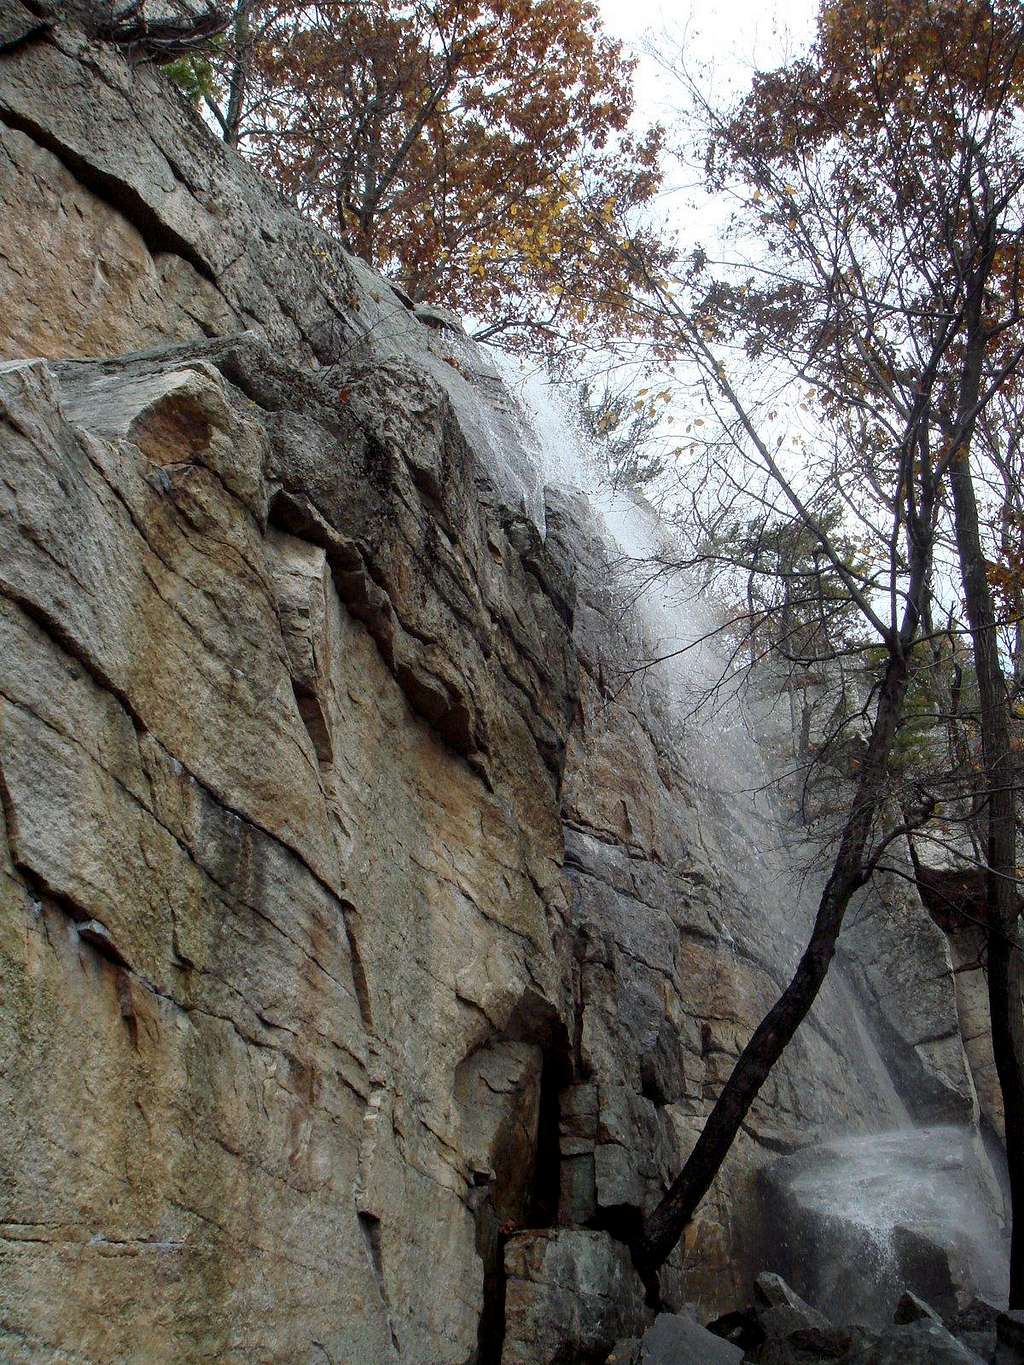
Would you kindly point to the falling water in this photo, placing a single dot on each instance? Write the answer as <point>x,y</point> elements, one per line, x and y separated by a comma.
<point>913,1206</point>
<point>857,1194</point>
<point>732,733</point>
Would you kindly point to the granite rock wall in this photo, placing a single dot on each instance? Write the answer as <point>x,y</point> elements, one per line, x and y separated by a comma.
<point>367,963</point>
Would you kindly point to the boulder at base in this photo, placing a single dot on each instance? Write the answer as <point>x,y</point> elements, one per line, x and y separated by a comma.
<point>676,1339</point>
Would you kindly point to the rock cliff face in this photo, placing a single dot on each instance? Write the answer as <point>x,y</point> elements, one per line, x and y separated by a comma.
<point>366,965</point>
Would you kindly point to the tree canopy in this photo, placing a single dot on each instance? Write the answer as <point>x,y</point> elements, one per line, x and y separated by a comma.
<point>471,149</point>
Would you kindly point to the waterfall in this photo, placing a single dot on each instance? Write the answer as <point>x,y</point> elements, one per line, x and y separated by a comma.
<point>858,1206</point>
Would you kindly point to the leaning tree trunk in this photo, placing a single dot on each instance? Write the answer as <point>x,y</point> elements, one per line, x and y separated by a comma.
<point>665,1225</point>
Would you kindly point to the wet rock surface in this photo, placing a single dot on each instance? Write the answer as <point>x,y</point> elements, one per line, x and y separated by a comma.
<point>865,1218</point>
<point>924,1342</point>
<point>779,1328</point>
<point>1009,1338</point>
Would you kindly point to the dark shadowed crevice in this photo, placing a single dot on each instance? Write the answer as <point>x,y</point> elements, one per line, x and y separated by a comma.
<point>544,1200</point>
<point>651,1083</point>
<point>622,1222</point>
<point>538,1209</point>
<point>369,1223</point>
<point>313,718</point>
<point>490,1246</point>
<point>359,981</point>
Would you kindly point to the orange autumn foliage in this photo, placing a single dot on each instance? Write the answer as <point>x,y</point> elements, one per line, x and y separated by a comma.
<point>472,149</point>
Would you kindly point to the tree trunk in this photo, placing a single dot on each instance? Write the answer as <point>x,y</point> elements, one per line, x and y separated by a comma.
<point>240,69</point>
<point>1005,989</point>
<point>1005,974</point>
<point>665,1225</point>
<point>1004,967</point>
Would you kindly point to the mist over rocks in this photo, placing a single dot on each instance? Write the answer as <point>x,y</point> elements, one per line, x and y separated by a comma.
<point>367,966</point>
<point>868,1218</point>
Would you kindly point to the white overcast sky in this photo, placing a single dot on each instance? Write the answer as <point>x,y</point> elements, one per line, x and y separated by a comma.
<point>745,25</point>
<point>723,44</point>
<point>735,35</point>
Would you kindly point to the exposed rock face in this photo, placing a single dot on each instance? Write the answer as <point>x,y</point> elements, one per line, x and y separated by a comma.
<point>272,940</point>
<point>914,1017</point>
<point>367,963</point>
<point>954,897</point>
<point>680,947</point>
<point>1009,1338</point>
<point>923,1342</point>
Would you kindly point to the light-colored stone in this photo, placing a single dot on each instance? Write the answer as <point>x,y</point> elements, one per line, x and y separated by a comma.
<point>313,975</point>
